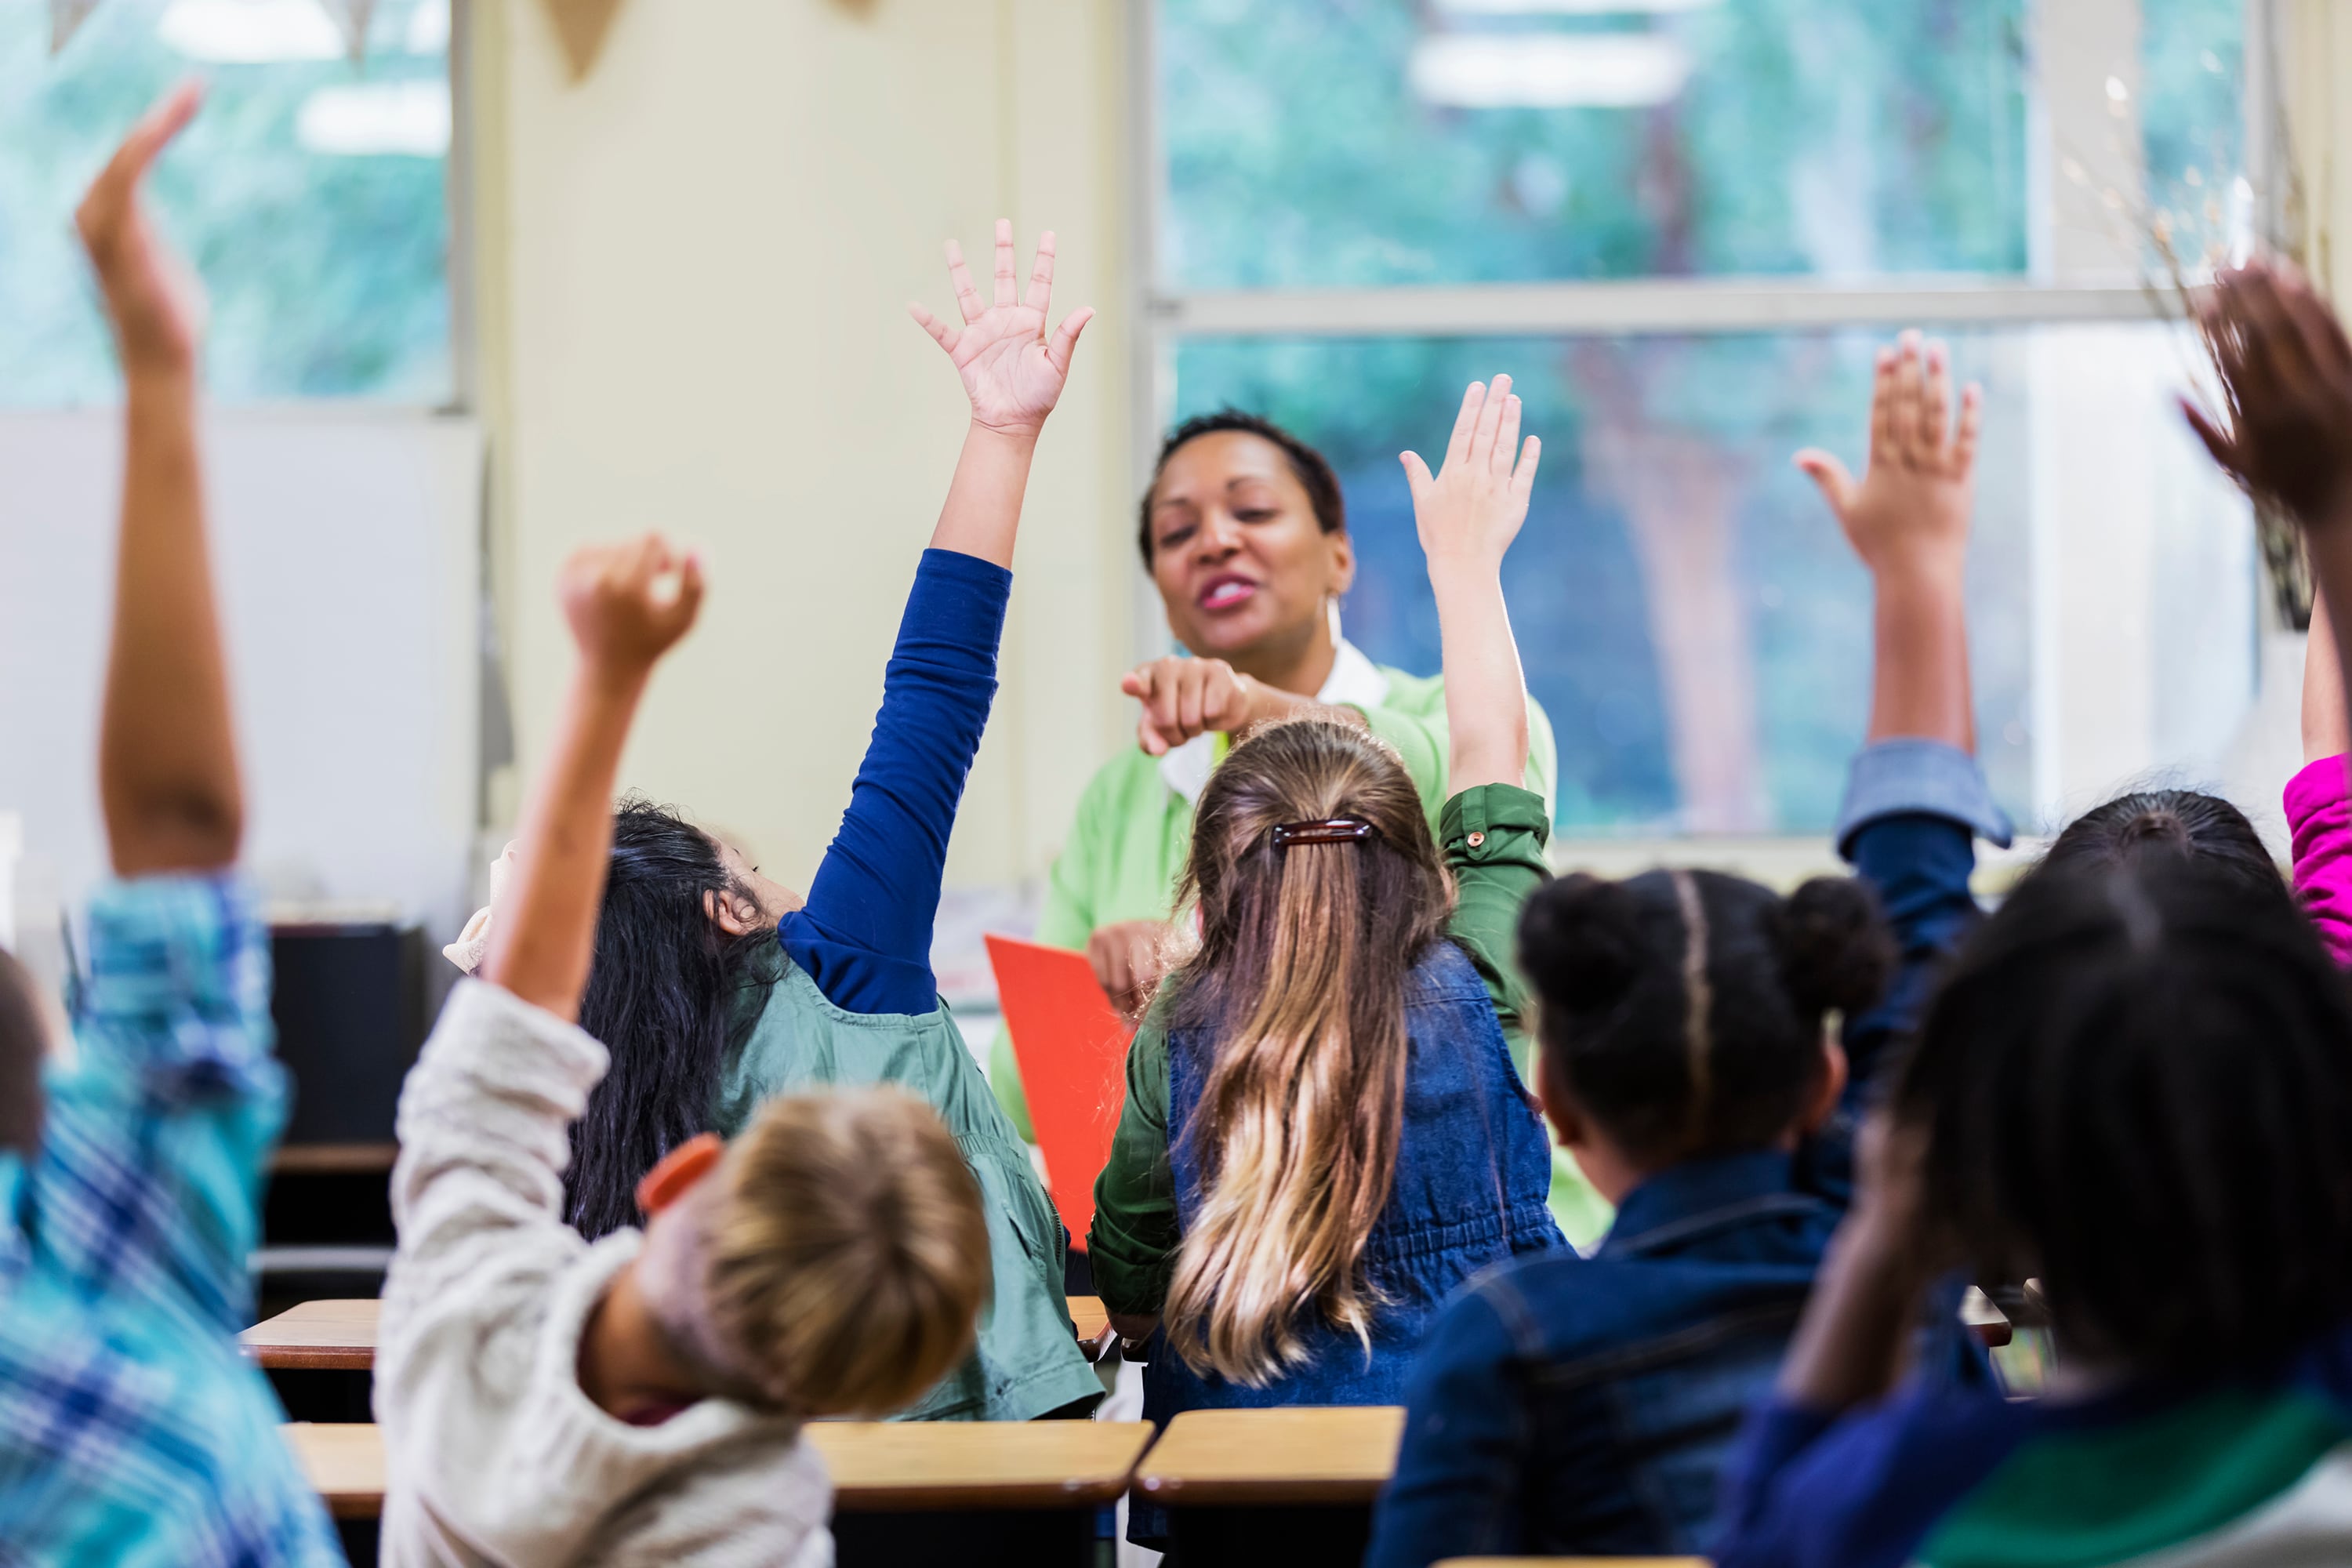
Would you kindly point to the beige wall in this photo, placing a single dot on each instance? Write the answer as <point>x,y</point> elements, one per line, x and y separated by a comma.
<point>692,272</point>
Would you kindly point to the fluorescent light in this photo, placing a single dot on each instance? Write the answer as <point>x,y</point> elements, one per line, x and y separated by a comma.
<point>428,29</point>
<point>1549,70</point>
<point>402,119</point>
<point>1568,7</point>
<point>250,32</point>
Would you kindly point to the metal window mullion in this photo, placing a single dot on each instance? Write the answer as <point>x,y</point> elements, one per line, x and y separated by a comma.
<point>1637,306</point>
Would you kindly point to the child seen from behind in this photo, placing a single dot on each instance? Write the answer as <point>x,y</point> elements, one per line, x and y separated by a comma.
<point>132,1432</point>
<point>1587,1405</point>
<point>639,1400</point>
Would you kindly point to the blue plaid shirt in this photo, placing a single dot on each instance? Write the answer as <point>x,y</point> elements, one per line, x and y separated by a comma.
<point>132,1430</point>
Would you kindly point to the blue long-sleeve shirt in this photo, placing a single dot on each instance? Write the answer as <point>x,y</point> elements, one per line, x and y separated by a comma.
<point>865,936</point>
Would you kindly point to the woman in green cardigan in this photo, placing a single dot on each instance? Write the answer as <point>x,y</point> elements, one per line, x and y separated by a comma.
<point>1245,532</point>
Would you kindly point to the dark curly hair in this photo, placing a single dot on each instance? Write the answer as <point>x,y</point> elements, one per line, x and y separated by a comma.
<point>1671,1076</point>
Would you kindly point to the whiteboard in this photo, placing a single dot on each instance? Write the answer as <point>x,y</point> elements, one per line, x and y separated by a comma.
<point>346,541</point>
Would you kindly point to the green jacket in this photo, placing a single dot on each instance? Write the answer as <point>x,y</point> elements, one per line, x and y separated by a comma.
<point>788,1038</point>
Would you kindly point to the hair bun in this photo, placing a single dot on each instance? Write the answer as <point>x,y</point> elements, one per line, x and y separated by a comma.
<point>1836,948</point>
<point>1576,942</point>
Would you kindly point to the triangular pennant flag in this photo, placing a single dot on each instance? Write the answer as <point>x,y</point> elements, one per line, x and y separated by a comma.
<point>65,18</point>
<point>582,26</point>
<point>351,17</point>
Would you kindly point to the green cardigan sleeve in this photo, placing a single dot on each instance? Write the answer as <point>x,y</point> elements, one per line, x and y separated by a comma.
<point>1132,1243</point>
<point>1493,838</point>
<point>1423,741</point>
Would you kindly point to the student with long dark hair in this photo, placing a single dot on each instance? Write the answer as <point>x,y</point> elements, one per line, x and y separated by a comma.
<point>716,989</point>
<point>2134,1085</point>
<point>1588,1406</point>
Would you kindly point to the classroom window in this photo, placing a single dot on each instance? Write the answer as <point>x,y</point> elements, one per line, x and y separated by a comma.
<point>1684,226</point>
<point>310,195</point>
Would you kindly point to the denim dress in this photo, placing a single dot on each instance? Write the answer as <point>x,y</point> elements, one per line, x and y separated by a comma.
<point>1472,1174</point>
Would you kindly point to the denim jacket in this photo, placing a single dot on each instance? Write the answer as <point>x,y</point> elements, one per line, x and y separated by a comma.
<point>1473,1172</point>
<point>1587,1405</point>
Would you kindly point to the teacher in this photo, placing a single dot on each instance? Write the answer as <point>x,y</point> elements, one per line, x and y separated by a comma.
<point>1246,535</point>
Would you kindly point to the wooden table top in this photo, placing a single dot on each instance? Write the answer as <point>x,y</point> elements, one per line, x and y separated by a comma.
<point>877,1466</point>
<point>339,1335</point>
<point>343,1461</point>
<point>884,1466</point>
<point>1302,1455</point>
<point>317,1336</point>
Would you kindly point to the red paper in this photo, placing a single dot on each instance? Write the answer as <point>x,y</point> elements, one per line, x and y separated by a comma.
<point>1072,1048</point>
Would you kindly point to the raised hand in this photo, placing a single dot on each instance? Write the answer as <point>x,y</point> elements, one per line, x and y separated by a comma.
<point>2286,374</point>
<point>628,603</point>
<point>1473,508</point>
<point>1011,372</point>
<point>153,301</point>
<point>1915,498</point>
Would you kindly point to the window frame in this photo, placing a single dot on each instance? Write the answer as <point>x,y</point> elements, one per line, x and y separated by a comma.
<point>2079,271</point>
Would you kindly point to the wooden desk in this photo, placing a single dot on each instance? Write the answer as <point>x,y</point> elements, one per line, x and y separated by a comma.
<point>881,1467</point>
<point>1289,1486</point>
<point>345,1462</point>
<point>1004,1492</point>
<point>317,1336</point>
<point>339,1335</point>
<point>1312,1454</point>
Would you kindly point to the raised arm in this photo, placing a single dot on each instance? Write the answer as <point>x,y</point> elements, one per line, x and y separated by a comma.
<point>1014,374</point>
<point>1907,518</point>
<point>167,767</point>
<point>865,936</point>
<point>1467,516</point>
<point>2285,432</point>
<point>628,605</point>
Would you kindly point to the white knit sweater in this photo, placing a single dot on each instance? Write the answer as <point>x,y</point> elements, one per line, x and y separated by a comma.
<point>494,1455</point>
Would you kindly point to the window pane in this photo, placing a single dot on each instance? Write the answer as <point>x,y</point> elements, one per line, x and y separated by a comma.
<point>1688,613</point>
<point>309,195</point>
<point>2192,122</point>
<point>1370,142</point>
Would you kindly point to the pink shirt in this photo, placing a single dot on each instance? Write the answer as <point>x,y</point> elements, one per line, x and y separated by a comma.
<point>2320,818</point>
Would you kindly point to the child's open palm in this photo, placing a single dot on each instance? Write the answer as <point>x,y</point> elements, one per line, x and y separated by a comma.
<point>1011,372</point>
<point>1473,508</point>
<point>156,306</point>
<point>628,603</point>
<point>1920,485</point>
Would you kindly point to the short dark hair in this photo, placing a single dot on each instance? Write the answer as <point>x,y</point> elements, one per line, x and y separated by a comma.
<point>24,1045</point>
<point>1314,470</point>
<point>1609,961</point>
<point>2165,823</point>
<point>2135,1083</point>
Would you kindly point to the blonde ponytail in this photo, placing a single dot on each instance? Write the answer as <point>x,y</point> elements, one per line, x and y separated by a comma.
<point>1306,950</point>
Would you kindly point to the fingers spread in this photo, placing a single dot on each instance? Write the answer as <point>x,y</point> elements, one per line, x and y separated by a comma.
<point>1909,395</point>
<point>2224,450</point>
<point>939,331</point>
<point>1964,438</point>
<point>1065,346</point>
<point>966,295</point>
<point>1416,474</point>
<point>1523,478</point>
<point>1490,419</point>
<point>1936,405</point>
<point>1041,278</point>
<point>1006,263</point>
<point>1882,410</point>
<point>1506,434</point>
<point>1836,484</point>
<point>1465,423</point>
